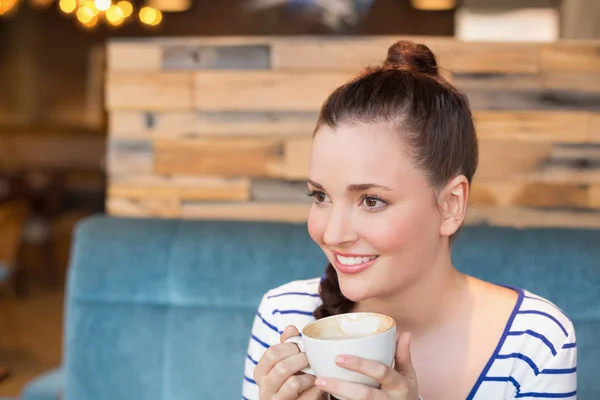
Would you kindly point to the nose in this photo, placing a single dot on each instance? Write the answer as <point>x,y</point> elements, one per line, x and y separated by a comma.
<point>339,229</point>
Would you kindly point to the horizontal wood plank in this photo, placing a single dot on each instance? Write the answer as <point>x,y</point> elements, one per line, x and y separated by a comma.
<point>180,188</point>
<point>570,57</point>
<point>127,156</point>
<point>177,125</point>
<point>524,217</point>
<point>134,57</point>
<point>146,208</point>
<point>594,196</point>
<point>476,57</point>
<point>594,128</point>
<point>537,162</point>
<point>241,56</point>
<point>569,127</point>
<point>225,157</point>
<point>251,211</point>
<point>149,91</point>
<point>543,195</point>
<point>265,91</point>
<point>351,53</point>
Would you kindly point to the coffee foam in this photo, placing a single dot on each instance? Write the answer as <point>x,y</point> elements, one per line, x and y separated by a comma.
<point>349,326</point>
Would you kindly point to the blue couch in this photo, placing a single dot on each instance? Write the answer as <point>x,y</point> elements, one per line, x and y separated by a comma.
<point>162,309</point>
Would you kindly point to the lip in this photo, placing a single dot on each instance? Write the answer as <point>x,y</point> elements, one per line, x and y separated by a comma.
<point>352,269</point>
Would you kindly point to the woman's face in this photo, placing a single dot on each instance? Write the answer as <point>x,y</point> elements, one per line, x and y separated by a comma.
<point>374,214</point>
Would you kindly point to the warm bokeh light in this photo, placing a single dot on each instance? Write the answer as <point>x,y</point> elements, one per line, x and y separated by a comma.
<point>86,15</point>
<point>170,5</point>
<point>102,5</point>
<point>433,5</point>
<point>126,7</point>
<point>67,6</point>
<point>150,16</point>
<point>41,3</point>
<point>7,6</point>
<point>114,15</point>
<point>91,5</point>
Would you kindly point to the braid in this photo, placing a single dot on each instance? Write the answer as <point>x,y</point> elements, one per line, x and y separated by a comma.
<point>334,302</point>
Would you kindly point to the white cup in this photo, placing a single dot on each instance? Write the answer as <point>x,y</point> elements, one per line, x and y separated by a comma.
<point>366,335</point>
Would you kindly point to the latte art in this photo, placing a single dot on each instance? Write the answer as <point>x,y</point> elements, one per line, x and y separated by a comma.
<point>350,326</point>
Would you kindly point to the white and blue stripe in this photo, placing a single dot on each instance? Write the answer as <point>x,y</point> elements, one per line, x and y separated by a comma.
<point>536,358</point>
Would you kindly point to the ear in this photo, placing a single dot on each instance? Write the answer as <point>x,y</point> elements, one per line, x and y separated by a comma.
<point>452,201</point>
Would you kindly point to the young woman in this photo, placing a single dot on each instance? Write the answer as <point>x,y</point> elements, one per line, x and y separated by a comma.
<point>393,155</point>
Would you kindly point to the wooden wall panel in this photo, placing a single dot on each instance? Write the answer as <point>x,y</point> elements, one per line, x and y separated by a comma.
<point>152,91</point>
<point>265,91</point>
<point>221,128</point>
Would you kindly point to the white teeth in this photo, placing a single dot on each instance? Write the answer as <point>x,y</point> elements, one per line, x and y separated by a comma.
<point>354,260</point>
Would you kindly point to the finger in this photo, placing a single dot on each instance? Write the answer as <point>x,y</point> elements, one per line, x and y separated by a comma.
<point>403,360</point>
<point>283,370</point>
<point>314,393</point>
<point>387,376</point>
<point>289,332</point>
<point>348,390</point>
<point>294,386</point>
<point>272,356</point>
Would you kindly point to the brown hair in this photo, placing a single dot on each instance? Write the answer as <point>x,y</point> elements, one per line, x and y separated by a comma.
<point>408,93</point>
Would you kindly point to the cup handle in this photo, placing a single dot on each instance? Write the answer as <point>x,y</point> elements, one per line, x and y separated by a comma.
<point>297,340</point>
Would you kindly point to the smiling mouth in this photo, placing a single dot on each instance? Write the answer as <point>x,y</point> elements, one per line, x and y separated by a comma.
<point>353,260</point>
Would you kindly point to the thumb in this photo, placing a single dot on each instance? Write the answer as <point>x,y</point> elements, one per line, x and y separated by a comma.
<point>403,360</point>
<point>289,332</point>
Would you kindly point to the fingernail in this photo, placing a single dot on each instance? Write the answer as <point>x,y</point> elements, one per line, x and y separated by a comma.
<point>340,359</point>
<point>320,382</point>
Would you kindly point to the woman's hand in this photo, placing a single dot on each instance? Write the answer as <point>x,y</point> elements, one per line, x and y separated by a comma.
<point>397,383</point>
<point>278,372</point>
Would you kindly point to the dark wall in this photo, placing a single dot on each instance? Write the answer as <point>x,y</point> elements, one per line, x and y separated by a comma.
<point>45,56</point>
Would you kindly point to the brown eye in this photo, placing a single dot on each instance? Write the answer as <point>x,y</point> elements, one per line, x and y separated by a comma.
<point>373,203</point>
<point>319,197</point>
<point>370,202</point>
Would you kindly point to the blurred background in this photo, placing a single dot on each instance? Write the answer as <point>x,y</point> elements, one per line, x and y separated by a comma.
<point>56,119</point>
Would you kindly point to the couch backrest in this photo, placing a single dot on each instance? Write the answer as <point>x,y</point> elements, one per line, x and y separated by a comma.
<point>162,309</point>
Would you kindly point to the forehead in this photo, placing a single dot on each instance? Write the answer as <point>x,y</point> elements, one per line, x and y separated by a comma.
<point>360,153</point>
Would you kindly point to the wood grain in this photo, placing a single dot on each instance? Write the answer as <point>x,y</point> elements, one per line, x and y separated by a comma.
<point>265,91</point>
<point>542,195</point>
<point>574,57</point>
<point>594,196</point>
<point>474,57</point>
<point>252,211</point>
<point>134,57</point>
<point>145,208</point>
<point>130,156</point>
<point>524,217</point>
<point>235,157</point>
<point>594,128</point>
<point>149,91</point>
<point>537,162</point>
<point>180,188</point>
<point>524,126</point>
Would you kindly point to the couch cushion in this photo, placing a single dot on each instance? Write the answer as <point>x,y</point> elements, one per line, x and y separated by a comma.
<point>162,310</point>
<point>45,387</point>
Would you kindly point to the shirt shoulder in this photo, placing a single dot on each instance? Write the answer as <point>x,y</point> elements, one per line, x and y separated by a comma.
<point>294,303</point>
<point>540,342</point>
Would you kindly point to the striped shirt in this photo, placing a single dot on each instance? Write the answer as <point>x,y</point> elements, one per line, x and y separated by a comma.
<point>536,358</point>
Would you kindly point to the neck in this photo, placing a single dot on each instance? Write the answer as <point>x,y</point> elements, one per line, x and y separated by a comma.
<point>426,302</point>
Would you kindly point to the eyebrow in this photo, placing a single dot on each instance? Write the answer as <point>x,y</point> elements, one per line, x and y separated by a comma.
<point>357,187</point>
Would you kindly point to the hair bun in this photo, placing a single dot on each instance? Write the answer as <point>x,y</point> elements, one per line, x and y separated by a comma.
<point>414,57</point>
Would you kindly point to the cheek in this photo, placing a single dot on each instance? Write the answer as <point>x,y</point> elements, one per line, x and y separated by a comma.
<point>404,229</point>
<point>316,225</point>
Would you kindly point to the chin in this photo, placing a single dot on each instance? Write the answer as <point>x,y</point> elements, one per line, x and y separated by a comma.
<point>356,288</point>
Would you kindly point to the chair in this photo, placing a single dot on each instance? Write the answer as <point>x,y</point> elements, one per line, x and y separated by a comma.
<point>13,217</point>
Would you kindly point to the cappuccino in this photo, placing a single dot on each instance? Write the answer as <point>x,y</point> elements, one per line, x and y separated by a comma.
<point>349,326</point>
